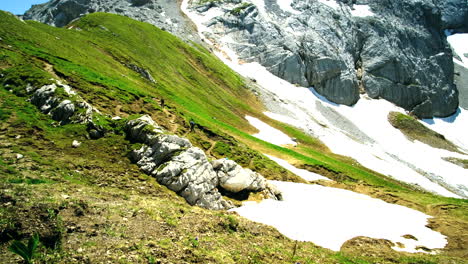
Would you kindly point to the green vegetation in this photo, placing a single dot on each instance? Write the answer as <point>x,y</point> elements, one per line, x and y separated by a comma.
<point>414,130</point>
<point>238,10</point>
<point>28,251</point>
<point>91,200</point>
<point>460,162</point>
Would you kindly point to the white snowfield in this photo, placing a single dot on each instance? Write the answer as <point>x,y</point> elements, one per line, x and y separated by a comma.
<point>286,6</point>
<point>361,11</point>
<point>331,3</point>
<point>361,131</point>
<point>459,43</point>
<point>329,217</point>
<point>268,133</point>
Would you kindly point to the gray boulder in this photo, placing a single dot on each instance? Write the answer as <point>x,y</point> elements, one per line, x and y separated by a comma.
<point>59,105</point>
<point>185,169</point>
<point>233,178</point>
<point>391,49</point>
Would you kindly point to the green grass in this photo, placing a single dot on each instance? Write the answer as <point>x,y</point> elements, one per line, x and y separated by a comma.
<point>92,54</point>
<point>195,85</point>
<point>414,130</point>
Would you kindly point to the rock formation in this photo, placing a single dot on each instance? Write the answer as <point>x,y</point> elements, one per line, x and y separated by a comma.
<point>64,107</point>
<point>163,14</point>
<point>185,169</point>
<point>394,50</point>
<point>391,49</point>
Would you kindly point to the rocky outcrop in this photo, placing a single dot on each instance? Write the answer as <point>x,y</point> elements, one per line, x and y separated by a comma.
<point>61,102</point>
<point>185,169</point>
<point>163,14</point>
<point>143,72</point>
<point>233,178</point>
<point>461,80</point>
<point>454,14</point>
<point>389,49</point>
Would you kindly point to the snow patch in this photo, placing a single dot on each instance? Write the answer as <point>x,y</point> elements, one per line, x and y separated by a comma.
<point>459,43</point>
<point>286,6</point>
<point>331,3</point>
<point>305,174</point>
<point>361,11</point>
<point>329,217</point>
<point>268,133</point>
<point>454,127</point>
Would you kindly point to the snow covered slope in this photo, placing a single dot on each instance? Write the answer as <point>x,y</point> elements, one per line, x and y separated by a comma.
<point>459,43</point>
<point>360,131</point>
<point>330,216</point>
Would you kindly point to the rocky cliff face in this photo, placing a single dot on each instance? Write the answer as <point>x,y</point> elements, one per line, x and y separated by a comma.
<point>390,49</point>
<point>164,14</point>
<point>394,50</point>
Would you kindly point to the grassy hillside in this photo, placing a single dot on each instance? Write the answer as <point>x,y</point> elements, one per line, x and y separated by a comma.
<point>90,204</point>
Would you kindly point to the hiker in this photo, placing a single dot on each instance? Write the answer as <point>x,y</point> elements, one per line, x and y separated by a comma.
<point>192,125</point>
<point>162,102</point>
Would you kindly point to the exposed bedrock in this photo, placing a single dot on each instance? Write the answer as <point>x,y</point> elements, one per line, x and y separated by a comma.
<point>185,169</point>
<point>391,49</point>
<point>161,13</point>
<point>394,50</point>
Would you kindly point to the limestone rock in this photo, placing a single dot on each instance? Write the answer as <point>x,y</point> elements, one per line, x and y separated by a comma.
<point>163,14</point>
<point>143,72</point>
<point>185,169</point>
<point>234,178</point>
<point>50,102</point>
<point>395,50</point>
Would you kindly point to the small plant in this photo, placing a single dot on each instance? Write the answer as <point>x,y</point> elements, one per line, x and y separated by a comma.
<point>194,241</point>
<point>28,251</point>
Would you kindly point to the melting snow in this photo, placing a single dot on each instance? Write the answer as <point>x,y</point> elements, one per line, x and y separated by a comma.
<point>305,174</point>
<point>364,134</point>
<point>391,153</point>
<point>268,133</point>
<point>331,3</point>
<point>459,43</point>
<point>329,217</point>
<point>361,11</point>
<point>454,127</point>
<point>286,6</point>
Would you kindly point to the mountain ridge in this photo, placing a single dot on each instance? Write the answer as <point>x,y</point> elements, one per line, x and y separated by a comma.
<point>396,71</point>
<point>93,57</point>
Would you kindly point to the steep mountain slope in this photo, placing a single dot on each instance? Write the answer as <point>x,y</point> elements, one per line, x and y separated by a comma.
<point>361,132</point>
<point>394,50</point>
<point>95,205</point>
<point>163,14</point>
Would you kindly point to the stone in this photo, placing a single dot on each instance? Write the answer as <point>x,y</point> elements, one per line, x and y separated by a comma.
<point>76,144</point>
<point>19,156</point>
<point>185,169</point>
<point>143,72</point>
<point>233,178</point>
<point>95,134</point>
<point>61,109</point>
